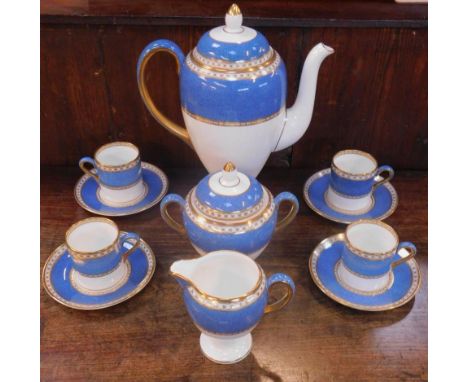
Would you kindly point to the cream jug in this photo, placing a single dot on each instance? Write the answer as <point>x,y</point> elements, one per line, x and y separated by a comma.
<point>233,94</point>
<point>226,295</point>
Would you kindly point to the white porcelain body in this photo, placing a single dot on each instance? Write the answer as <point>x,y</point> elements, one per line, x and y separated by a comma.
<point>122,197</point>
<point>348,205</point>
<point>247,146</point>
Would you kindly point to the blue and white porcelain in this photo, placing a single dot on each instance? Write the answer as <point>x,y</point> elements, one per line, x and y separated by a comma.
<point>384,200</point>
<point>354,178</point>
<point>366,267</point>
<point>230,210</point>
<point>88,193</point>
<point>116,167</point>
<point>233,94</point>
<point>226,295</point>
<point>98,266</point>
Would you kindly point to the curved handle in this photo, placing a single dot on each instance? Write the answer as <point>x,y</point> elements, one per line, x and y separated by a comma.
<point>88,160</point>
<point>410,247</point>
<point>131,238</point>
<point>150,50</point>
<point>291,198</point>
<point>283,301</point>
<point>380,171</point>
<point>169,199</point>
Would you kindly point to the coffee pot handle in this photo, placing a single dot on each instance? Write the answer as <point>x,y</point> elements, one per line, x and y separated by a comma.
<point>379,180</point>
<point>410,247</point>
<point>290,198</point>
<point>150,50</point>
<point>128,237</point>
<point>171,222</point>
<point>280,278</point>
<point>87,160</point>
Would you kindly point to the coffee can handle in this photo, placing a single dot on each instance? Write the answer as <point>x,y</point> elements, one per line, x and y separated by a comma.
<point>379,179</point>
<point>132,238</point>
<point>91,172</point>
<point>410,247</point>
<point>283,279</point>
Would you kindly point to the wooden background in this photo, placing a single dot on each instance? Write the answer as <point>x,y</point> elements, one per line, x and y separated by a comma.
<point>372,93</point>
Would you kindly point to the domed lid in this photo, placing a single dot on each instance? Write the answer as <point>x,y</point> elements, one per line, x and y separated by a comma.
<point>233,49</point>
<point>228,191</point>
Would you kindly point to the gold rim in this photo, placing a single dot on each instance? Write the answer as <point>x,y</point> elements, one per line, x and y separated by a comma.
<point>413,290</point>
<point>369,255</point>
<point>146,166</point>
<point>145,281</point>
<point>359,152</point>
<point>91,254</point>
<point>322,173</point>
<point>129,164</point>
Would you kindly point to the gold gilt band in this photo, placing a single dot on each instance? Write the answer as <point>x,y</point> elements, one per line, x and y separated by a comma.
<point>242,215</point>
<point>367,255</point>
<point>232,123</point>
<point>353,176</point>
<point>82,255</point>
<point>358,291</point>
<point>241,70</point>
<point>122,167</point>
<point>206,298</point>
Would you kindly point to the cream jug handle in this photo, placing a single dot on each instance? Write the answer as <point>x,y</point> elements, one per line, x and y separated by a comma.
<point>278,278</point>
<point>171,222</point>
<point>150,50</point>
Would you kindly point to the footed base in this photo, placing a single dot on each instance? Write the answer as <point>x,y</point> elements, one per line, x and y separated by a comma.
<point>226,350</point>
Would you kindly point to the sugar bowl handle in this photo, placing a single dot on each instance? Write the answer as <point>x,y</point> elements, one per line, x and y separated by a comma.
<point>410,247</point>
<point>280,278</point>
<point>150,50</point>
<point>379,180</point>
<point>133,239</point>
<point>290,198</point>
<point>91,172</point>
<point>171,222</point>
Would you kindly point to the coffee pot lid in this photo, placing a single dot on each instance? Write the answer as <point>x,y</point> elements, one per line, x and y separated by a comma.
<point>229,190</point>
<point>232,41</point>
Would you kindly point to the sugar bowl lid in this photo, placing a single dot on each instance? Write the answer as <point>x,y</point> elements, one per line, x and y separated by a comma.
<point>232,42</point>
<point>228,191</point>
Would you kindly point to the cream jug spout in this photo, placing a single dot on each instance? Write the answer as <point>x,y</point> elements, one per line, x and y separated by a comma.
<point>182,271</point>
<point>299,115</point>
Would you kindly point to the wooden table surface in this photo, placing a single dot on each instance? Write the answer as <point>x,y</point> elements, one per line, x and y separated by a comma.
<point>151,337</point>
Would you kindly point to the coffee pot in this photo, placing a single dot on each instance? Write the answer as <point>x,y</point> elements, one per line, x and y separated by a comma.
<point>233,95</point>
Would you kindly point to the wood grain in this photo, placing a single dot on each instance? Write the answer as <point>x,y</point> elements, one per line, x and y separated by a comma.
<point>304,13</point>
<point>151,336</point>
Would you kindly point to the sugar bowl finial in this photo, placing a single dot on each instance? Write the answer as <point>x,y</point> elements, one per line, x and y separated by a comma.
<point>229,177</point>
<point>233,19</point>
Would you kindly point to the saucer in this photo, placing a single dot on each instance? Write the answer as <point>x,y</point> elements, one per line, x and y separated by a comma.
<point>60,280</point>
<point>385,200</point>
<point>322,263</point>
<point>86,193</point>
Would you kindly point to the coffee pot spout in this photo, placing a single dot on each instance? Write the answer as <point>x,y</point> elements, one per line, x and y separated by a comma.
<point>299,115</point>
